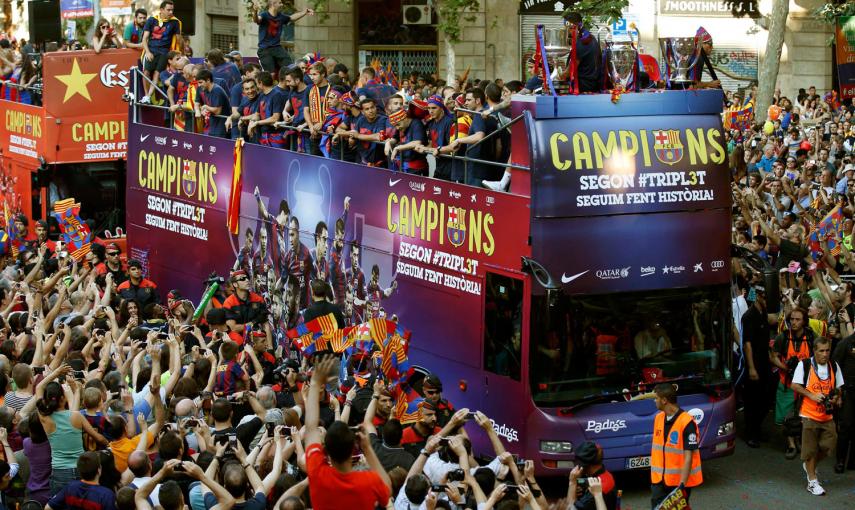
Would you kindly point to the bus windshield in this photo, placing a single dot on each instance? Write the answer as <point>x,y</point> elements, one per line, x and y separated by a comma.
<point>584,346</point>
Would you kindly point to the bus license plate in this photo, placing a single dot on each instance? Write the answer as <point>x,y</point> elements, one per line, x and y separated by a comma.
<point>638,462</point>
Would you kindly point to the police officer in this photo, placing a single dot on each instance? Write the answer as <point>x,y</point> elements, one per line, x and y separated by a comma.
<point>844,356</point>
<point>674,458</point>
<point>432,388</point>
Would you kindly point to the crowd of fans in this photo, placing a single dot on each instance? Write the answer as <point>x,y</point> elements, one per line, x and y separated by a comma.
<point>110,399</point>
<point>793,180</point>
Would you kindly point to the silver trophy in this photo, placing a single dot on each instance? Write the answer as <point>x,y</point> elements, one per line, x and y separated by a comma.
<point>556,42</point>
<point>621,65</point>
<point>680,55</point>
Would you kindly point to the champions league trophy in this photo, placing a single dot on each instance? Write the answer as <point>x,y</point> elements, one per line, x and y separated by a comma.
<point>680,55</point>
<point>621,63</point>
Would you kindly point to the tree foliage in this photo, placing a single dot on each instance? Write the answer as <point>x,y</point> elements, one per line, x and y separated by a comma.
<point>829,11</point>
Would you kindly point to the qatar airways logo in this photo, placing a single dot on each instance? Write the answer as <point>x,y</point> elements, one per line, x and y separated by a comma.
<point>503,430</point>
<point>598,426</point>
<point>613,274</point>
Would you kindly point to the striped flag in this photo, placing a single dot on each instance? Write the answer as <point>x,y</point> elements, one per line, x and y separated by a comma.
<point>75,232</point>
<point>320,334</point>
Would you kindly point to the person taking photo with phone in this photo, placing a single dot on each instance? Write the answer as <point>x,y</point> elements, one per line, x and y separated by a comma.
<point>590,482</point>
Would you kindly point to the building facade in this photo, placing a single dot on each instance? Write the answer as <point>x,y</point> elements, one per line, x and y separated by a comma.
<point>497,39</point>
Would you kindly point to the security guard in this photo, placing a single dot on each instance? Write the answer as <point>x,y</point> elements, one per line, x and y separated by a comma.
<point>674,457</point>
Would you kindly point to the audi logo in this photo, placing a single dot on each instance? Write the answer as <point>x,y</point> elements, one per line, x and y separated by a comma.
<point>717,264</point>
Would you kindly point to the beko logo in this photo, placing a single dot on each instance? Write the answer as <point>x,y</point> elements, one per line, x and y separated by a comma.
<point>648,270</point>
<point>598,426</point>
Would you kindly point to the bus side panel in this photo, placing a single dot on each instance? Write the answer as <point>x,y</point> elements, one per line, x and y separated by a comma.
<point>429,241</point>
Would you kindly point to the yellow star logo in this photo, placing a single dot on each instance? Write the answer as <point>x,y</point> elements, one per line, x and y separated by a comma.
<point>75,83</point>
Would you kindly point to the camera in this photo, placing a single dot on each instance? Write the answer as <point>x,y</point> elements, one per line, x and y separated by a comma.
<point>455,475</point>
<point>827,404</point>
<point>191,423</point>
<point>582,482</point>
<point>437,488</point>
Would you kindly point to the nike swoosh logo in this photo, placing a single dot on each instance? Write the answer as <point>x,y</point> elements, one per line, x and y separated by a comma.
<point>568,279</point>
<point>143,138</point>
<point>392,183</point>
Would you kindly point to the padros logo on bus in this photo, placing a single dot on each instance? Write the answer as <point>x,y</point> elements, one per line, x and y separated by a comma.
<point>613,274</point>
<point>111,78</point>
<point>503,430</point>
<point>429,220</point>
<point>598,426</point>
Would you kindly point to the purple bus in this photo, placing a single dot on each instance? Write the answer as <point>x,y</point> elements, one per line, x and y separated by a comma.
<point>554,309</point>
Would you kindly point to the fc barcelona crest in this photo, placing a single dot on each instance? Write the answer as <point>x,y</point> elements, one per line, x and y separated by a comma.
<point>667,146</point>
<point>456,228</point>
<point>188,178</point>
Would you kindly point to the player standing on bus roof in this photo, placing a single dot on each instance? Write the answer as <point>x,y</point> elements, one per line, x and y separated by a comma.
<point>161,33</point>
<point>674,457</point>
<point>704,40</point>
<point>271,22</point>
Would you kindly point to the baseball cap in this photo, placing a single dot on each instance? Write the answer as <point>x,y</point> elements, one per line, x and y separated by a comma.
<point>432,381</point>
<point>588,454</point>
<point>234,53</point>
<point>848,167</point>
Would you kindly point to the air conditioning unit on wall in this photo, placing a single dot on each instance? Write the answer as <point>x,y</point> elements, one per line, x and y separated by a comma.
<point>416,14</point>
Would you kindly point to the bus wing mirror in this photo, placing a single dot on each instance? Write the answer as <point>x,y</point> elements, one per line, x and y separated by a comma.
<point>541,276</point>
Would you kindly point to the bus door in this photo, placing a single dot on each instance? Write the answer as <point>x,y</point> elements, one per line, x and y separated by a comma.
<point>505,316</point>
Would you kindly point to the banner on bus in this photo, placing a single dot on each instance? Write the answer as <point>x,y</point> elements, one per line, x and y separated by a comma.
<point>22,136</point>
<point>110,8</point>
<point>76,8</point>
<point>400,240</point>
<point>85,83</point>
<point>413,228</point>
<point>90,138</point>
<point>634,252</point>
<point>844,36</point>
<point>586,167</point>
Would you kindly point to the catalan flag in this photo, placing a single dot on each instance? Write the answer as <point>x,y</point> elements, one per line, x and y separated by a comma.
<point>75,232</point>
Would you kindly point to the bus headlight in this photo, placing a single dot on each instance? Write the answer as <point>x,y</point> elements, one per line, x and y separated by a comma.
<point>725,429</point>
<point>556,446</point>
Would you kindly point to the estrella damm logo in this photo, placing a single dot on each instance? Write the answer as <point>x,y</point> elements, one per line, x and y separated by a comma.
<point>188,178</point>
<point>667,146</point>
<point>456,228</point>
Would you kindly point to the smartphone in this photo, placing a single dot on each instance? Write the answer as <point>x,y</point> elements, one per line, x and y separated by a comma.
<point>78,375</point>
<point>232,441</point>
<point>143,345</point>
<point>191,423</point>
<point>470,416</point>
<point>270,428</point>
<point>436,488</point>
<point>443,441</point>
<point>179,468</point>
<point>162,336</point>
<point>38,370</point>
<point>221,439</point>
